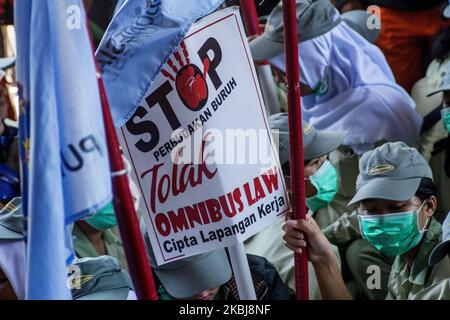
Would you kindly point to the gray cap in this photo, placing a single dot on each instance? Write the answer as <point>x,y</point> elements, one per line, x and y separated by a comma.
<point>444,85</point>
<point>357,20</point>
<point>446,11</point>
<point>99,279</point>
<point>314,18</point>
<point>12,220</point>
<point>443,248</point>
<point>316,143</point>
<point>188,277</point>
<point>392,171</point>
<point>6,63</point>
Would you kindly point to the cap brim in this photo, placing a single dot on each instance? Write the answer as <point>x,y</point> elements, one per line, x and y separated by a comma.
<point>387,189</point>
<point>6,234</point>
<point>6,63</point>
<point>115,294</point>
<point>210,272</point>
<point>323,143</point>
<point>439,252</point>
<point>263,48</point>
<point>438,91</point>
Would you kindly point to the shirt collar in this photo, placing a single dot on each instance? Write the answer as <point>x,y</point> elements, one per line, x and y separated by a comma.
<point>420,267</point>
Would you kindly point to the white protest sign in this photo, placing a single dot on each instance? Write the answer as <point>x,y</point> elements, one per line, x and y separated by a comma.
<point>200,146</point>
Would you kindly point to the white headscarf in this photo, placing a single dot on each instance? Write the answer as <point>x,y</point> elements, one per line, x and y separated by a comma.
<point>362,96</point>
<point>12,262</point>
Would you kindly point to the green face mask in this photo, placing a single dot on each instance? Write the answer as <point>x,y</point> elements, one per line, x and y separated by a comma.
<point>393,234</point>
<point>445,114</point>
<point>103,219</point>
<point>325,180</point>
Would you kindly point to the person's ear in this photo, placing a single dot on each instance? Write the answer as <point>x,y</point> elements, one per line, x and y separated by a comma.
<point>430,206</point>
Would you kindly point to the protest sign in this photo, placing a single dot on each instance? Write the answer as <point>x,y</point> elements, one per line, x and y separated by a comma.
<point>200,146</point>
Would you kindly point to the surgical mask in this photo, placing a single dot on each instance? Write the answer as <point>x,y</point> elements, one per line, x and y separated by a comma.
<point>393,234</point>
<point>325,180</point>
<point>103,219</point>
<point>445,115</point>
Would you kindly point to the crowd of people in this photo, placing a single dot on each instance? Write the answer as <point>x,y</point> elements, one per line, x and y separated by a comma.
<point>375,101</point>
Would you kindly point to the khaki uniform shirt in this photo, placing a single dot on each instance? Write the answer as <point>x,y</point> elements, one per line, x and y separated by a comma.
<point>421,281</point>
<point>113,245</point>
<point>270,245</point>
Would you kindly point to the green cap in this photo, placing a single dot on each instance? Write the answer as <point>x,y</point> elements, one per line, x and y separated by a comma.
<point>316,143</point>
<point>12,220</point>
<point>99,278</point>
<point>392,171</point>
<point>314,18</point>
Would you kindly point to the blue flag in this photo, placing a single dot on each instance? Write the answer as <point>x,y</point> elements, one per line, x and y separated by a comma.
<point>138,42</point>
<point>68,167</point>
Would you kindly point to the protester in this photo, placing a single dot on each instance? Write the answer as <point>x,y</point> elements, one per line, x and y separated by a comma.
<point>321,178</point>
<point>345,80</point>
<point>208,276</point>
<point>12,252</point>
<point>429,106</point>
<point>433,92</point>
<point>100,278</point>
<point>346,84</point>
<point>94,236</point>
<point>397,201</point>
<point>321,185</point>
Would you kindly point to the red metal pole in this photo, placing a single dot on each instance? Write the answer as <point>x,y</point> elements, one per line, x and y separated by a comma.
<point>250,17</point>
<point>127,220</point>
<point>133,242</point>
<point>295,137</point>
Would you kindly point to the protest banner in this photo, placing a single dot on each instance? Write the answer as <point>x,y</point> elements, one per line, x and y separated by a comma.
<point>200,147</point>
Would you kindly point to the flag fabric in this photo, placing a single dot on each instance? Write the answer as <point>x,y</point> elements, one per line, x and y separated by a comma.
<point>22,71</point>
<point>141,37</point>
<point>68,167</point>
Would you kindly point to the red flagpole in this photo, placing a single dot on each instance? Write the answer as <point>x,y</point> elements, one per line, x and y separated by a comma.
<point>127,220</point>
<point>295,137</point>
<point>250,17</point>
<point>133,242</point>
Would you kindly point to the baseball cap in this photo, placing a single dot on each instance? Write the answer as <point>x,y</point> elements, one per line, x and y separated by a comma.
<point>314,18</point>
<point>421,90</point>
<point>392,171</point>
<point>11,220</point>
<point>444,84</point>
<point>357,20</point>
<point>443,248</point>
<point>6,63</point>
<point>316,143</point>
<point>100,278</point>
<point>190,276</point>
<point>446,11</point>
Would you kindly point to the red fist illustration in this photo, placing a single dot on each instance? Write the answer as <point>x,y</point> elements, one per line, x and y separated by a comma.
<point>191,86</point>
<point>190,81</point>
